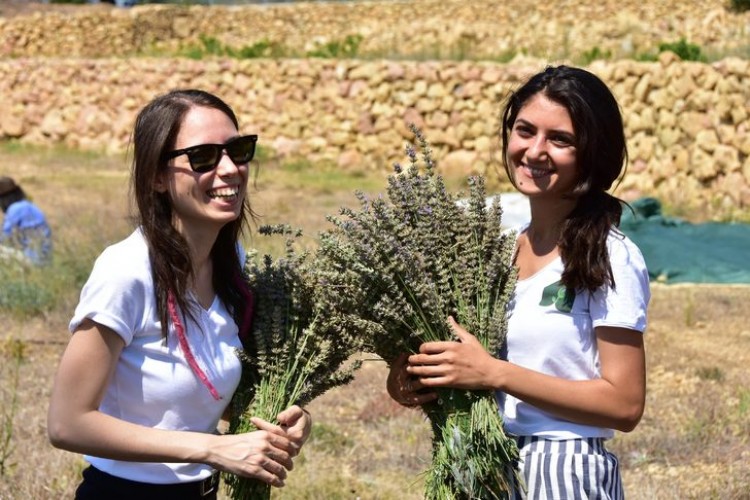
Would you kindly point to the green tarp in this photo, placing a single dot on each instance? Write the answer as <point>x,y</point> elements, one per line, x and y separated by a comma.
<point>677,251</point>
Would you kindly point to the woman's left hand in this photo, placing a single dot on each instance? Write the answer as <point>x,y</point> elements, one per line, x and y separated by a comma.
<point>297,423</point>
<point>463,365</point>
<point>404,388</point>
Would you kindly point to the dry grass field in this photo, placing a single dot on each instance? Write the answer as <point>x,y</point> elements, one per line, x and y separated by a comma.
<point>693,442</point>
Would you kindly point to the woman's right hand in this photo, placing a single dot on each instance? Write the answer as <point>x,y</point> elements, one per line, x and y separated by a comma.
<point>265,454</point>
<point>404,388</point>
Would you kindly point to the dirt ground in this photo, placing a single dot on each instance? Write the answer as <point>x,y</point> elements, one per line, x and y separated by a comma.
<point>692,443</point>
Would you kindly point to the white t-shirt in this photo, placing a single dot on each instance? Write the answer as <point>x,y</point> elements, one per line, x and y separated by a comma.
<point>153,385</point>
<point>548,334</point>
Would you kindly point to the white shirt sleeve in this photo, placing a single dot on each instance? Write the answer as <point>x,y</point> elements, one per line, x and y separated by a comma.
<point>626,304</point>
<point>115,294</point>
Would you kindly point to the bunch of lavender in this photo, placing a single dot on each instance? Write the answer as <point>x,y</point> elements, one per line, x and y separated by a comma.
<point>298,348</point>
<point>406,263</point>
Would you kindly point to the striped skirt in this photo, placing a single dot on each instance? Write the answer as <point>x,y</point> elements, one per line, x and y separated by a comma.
<point>569,469</point>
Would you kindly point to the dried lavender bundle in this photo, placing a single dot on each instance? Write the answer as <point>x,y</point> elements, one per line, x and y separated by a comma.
<point>408,261</point>
<point>299,346</point>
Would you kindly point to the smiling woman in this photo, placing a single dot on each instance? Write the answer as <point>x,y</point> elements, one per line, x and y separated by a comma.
<point>152,365</point>
<point>206,188</point>
<point>574,370</point>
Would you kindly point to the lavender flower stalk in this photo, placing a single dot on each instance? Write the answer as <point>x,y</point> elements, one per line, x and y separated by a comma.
<point>299,347</point>
<point>406,263</point>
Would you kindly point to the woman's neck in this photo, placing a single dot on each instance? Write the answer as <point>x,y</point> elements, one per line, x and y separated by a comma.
<point>547,219</point>
<point>203,272</point>
<point>200,241</point>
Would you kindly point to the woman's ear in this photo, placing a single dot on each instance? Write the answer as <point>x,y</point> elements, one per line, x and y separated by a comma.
<point>160,183</point>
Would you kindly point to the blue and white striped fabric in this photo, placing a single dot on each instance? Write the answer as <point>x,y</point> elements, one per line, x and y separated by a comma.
<point>570,469</point>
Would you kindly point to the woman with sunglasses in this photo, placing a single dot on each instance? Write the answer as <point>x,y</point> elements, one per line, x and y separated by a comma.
<point>151,364</point>
<point>575,365</point>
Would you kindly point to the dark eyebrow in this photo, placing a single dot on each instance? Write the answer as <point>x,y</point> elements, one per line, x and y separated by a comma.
<point>521,121</point>
<point>565,135</point>
<point>562,133</point>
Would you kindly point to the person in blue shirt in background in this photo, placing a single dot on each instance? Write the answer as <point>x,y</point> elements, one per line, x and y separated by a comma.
<point>26,234</point>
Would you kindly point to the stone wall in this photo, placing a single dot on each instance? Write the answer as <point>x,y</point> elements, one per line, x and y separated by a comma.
<point>494,29</point>
<point>688,124</point>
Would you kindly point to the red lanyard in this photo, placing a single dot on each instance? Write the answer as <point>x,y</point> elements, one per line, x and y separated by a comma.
<point>182,339</point>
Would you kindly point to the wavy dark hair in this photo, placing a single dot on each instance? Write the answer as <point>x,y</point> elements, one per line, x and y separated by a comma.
<point>601,154</point>
<point>156,128</point>
<point>9,198</point>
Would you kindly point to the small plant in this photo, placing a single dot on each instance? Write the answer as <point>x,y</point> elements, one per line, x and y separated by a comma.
<point>744,404</point>
<point>212,46</point>
<point>684,50</point>
<point>507,56</point>
<point>465,46</point>
<point>596,53</point>
<point>710,373</point>
<point>13,349</point>
<point>689,311</point>
<point>209,46</point>
<point>646,57</point>
<point>24,290</point>
<point>338,50</point>
<point>261,49</point>
<point>25,299</point>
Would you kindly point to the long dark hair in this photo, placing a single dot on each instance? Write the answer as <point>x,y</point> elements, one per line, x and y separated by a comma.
<point>601,154</point>
<point>156,129</point>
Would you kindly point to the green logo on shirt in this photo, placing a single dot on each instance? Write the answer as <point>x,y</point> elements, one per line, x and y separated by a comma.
<point>557,294</point>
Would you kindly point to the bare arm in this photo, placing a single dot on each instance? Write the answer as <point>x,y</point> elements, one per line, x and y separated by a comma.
<point>76,424</point>
<point>615,400</point>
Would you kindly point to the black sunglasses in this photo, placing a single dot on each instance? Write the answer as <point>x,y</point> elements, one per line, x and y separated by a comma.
<point>206,157</point>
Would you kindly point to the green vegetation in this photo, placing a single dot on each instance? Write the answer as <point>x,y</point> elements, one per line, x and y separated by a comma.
<point>348,48</point>
<point>744,402</point>
<point>710,373</point>
<point>211,46</point>
<point>325,177</point>
<point>592,55</point>
<point>506,56</point>
<point>335,49</point>
<point>27,291</point>
<point>12,355</point>
<point>22,297</point>
<point>685,50</point>
<point>689,311</point>
<point>329,438</point>
<point>90,190</point>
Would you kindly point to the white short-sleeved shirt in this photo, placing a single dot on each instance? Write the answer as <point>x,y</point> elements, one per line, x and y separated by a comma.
<point>153,385</point>
<point>553,333</point>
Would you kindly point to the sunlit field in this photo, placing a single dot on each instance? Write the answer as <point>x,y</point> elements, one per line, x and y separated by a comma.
<point>693,442</point>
